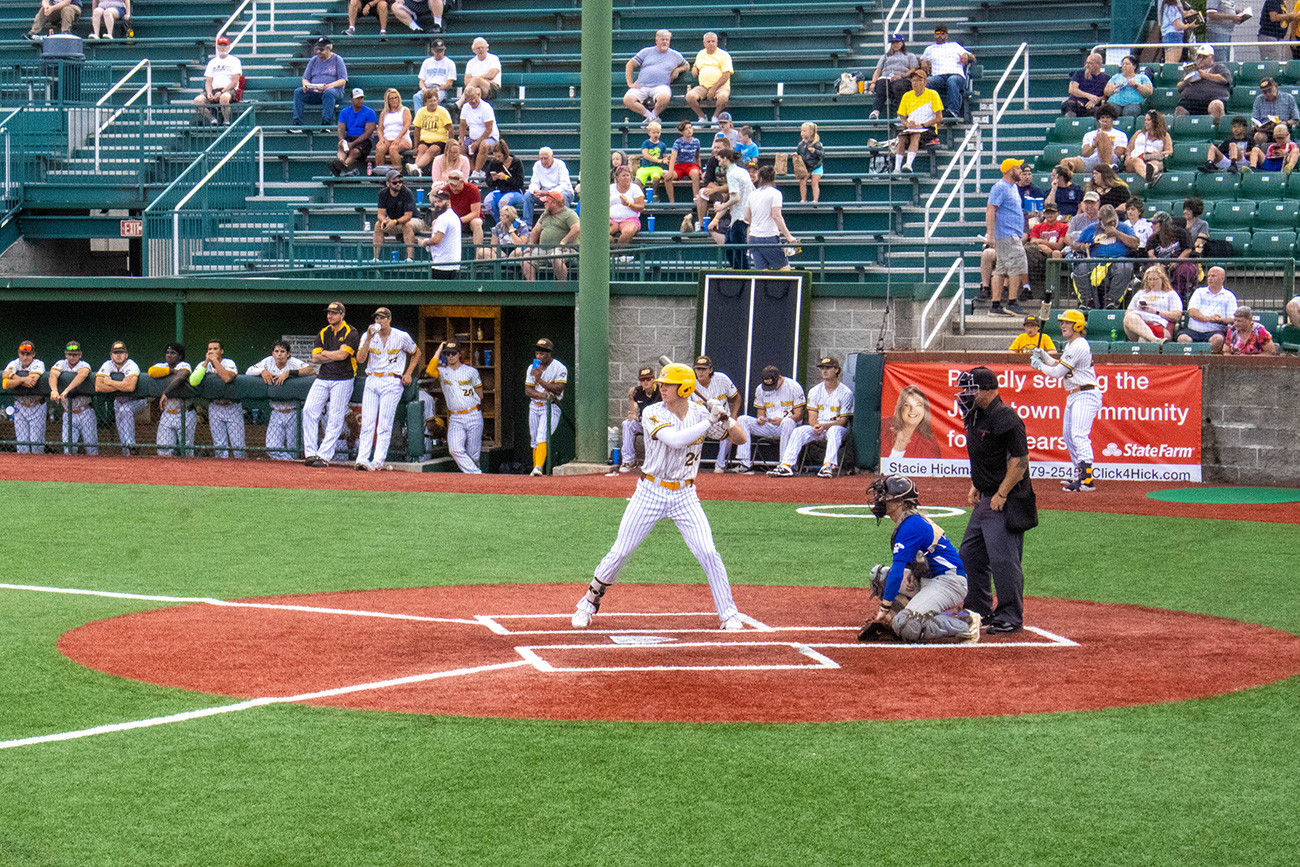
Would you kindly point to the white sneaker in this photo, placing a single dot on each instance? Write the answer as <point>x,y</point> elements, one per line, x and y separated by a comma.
<point>625,468</point>
<point>413,169</point>
<point>826,472</point>
<point>581,619</point>
<point>415,26</point>
<point>781,472</point>
<point>713,120</point>
<point>537,471</point>
<point>733,623</point>
<point>972,633</point>
<point>383,32</point>
<point>719,468</point>
<point>875,115</point>
<point>351,31</point>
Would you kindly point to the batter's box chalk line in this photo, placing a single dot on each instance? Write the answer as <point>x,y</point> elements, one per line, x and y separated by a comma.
<point>494,623</point>
<point>534,655</point>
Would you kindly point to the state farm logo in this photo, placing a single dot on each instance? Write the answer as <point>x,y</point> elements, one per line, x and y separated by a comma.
<point>1112,451</point>
<point>1147,450</point>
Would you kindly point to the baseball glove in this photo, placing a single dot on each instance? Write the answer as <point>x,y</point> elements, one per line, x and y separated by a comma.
<point>874,630</point>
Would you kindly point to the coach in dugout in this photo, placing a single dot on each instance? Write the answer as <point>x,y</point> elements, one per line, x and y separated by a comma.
<point>999,466</point>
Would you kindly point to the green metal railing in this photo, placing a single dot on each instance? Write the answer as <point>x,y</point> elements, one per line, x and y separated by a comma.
<point>1264,283</point>
<point>57,82</point>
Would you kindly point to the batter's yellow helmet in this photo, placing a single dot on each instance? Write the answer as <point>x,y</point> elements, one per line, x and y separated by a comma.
<point>1075,318</point>
<point>679,375</point>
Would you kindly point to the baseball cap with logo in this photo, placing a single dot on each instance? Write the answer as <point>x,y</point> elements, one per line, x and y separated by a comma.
<point>442,193</point>
<point>1033,320</point>
<point>1091,196</point>
<point>384,312</point>
<point>726,115</point>
<point>1204,50</point>
<point>323,41</point>
<point>451,346</point>
<point>357,93</point>
<point>941,28</point>
<point>118,346</point>
<point>645,373</point>
<point>771,374</point>
<point>73,346</point>
<point>438,42</point>
<point>828,361</point>
<point>335,307</point>
<point>1049,208</point>
<point>545,345</point>
<point>704,361</point>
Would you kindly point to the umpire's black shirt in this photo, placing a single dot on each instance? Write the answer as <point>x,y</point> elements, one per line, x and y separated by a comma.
<point>346,337</point>
<point>995,435</point>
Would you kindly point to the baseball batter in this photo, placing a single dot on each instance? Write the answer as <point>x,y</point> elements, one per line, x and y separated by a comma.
<point>544,384</point>
<point>390,356</point>
<point>174,409</point>
<point>674,433</point>
<point>225,416</point>
<point>462,389</point>
<point>639,396</point>
<point>78,414</point>
<point>29,409</point>
<point>281,429</point>
<point>1083,400</point>
<point>830,407</point>
<point>925,586</point>
<point>335,356</point>
<point>779,407</point>
<point>118,376</point>
<point>714,385</point>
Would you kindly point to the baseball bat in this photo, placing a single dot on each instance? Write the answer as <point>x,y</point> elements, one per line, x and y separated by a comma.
<point>664,361</point>
<point>1044,310</point>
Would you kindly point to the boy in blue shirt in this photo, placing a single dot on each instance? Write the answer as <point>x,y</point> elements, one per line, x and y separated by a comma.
<point>684,161</point>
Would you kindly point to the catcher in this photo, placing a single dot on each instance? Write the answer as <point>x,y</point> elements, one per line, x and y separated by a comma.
<point>926,583</point>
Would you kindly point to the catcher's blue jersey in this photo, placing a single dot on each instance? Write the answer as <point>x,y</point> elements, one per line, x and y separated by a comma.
<point>916,535</point>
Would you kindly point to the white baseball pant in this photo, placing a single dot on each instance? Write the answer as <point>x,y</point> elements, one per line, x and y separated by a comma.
<point>631,427</point>
<point>124,410</point>
<point>227,426</point>
<point>378,407</point>
<point>925,617</point>
<point>29,427</point>
<point>79,426</point>
<point>169,429</point>
<point>1081,409</point>
<point>752,427</point>
<point>282,433</point>
<point>805,434</point>
<point>336,393</point>
<point>650,504</point>
<point>465,440</point>
<point>537,431</point>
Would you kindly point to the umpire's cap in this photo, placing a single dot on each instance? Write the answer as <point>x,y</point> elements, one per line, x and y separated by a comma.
<point>982,378</point>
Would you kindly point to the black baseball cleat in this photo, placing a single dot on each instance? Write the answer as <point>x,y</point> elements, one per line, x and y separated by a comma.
<point>999,628</point>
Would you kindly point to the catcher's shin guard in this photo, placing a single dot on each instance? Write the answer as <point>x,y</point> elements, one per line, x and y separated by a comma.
<point>595,593</point>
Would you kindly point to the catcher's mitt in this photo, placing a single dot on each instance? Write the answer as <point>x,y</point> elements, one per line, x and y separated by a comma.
<point>874,630</point>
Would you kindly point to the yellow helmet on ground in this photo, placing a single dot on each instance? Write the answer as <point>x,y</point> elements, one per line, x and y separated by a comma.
<point>1075,318</point>
<point>679,375</point>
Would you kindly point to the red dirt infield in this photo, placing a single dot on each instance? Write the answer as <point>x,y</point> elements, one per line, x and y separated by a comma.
<point>655,654</point>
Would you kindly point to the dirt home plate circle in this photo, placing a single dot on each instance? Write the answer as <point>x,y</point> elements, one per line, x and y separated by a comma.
<point>655,653</point>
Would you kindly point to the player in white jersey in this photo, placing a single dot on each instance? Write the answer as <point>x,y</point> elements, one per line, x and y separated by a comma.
<point>225,416</point>
<point>462,389</point>
<point>639,396</point>
<point>711,384</point>
<point>674,433</point>
<point>24,372</point>
<point>390,356</point>
<point>830,406</point>
<point>281,427</point>
<point>125,404</point>
<point>544,384</point>
<point>78,414</point>
<point>1084,398</point>
<point>779,408</point>
<point>174,409</point>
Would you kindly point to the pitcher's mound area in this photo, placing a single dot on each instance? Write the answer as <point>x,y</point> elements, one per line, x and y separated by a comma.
<point>655,653</point>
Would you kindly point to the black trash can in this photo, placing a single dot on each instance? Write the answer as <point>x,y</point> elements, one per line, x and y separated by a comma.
<point>62,57</point>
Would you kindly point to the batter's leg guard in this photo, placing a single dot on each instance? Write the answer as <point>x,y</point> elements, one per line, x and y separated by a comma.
<point>1085,477</point>
<point>595,593</point>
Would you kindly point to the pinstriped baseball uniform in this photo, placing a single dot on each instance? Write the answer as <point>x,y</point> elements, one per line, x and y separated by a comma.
<point>831,407</point>
<point>124,405</point>
<point>537,409</point>
<point>169,423</point>
<point>281,431</point>
<point>667,490</point>
<point>1083,401</point>
<point>721,387</point>
<point>464,418</point>
<point>29,410</point>
<point>226,419</point>
<point>385,364</point>
<point>78,414</point>
<point>778,405</point>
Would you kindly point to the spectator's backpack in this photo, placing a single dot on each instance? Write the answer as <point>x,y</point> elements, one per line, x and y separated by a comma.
<point>847,83</point>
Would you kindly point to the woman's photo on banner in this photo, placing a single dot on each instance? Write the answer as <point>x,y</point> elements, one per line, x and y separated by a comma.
<point>908,433</point>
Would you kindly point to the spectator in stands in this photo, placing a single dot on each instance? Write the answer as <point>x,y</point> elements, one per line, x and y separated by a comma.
<point>435,9</point>
<point>767,225</point>
<point>66,12</point>
<point>812,153</point>
<point>322,82</point>
<point>945,63</point>
<point>1210,311</point>
<point>467,204</point>
<point>713,70</point>
<point>626,202</point>
<point>658,65</point>
<point>1293,312</point>
<point>684,161</point>
<point>1031,197</point>
<point>450,160</point>
<point>1280,156</point>
<point>1063,192</point>
<point>746,148</point>
<point>1170,243</point>
<point>1154,310</point>
<point>736,208</point>
<point>713,180</point>
<point>1046,241</point>
<point>1271,107</point>
<point>505,180</point>
<point>1004,231</point>
<point>549,175</point>
<point>437,73</point>
<point>444,241</point>
<point>221,81</point>
<point>1136,210</point>
<point>394,130</point>
<point>1248,337</point>
<point>1198,230</point>
<point>478,128</point>
<point>106,13</point>
<point>920,108</point>
<point>1150,148</point>
<point>1234,154</point>
<point>510,234</point>
<point>890,80</point>
<point>396,212</point>
<point>1128,88</point>
<point>1175,19</point>
<point>556,233</point>
<point>1274,22</point>
<point>1104,145</point>
<point>1107,185</point>
<point>727,129</point>
<point>434,123</point>
<point>379,7</point>
<point>1221,16</point>
<point>654,157</point>
<point>483,71</point>
<point>1087,89</point>
<point>1089,208</point>
<point>616,161</point>
<point>1206,87</point>
<point>407,16</point>
<point>1111,239</point>
<point>1031,338</point>
<point>356,129</point>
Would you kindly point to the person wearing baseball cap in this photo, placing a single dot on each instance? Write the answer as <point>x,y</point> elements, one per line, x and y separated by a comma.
<point>437,74</point>
<point>1046,241</point>
<point>395,215</point>
<point>713,70</point>
<point>462,392</point>
<point>356,132</point>
<point>830,407</point>
<point>221,84</point>
<point>556,229</point>
<point>544,383</point>
<point>118,376</point>
<point>444,242</point>
<point>24,373</point>
<point>639,396</point>
<point>946,62</point>
<point>779,408</point>
<point>1004,232</point>
<point>391,358</point>
<point>322,82</point>
<point>1031,338</point>
<point>334,353</point>
<point>711,384</point>
<point>78,415</point>
<point>1206,87</point>
<point>921,110</point>
<point>889,82</point>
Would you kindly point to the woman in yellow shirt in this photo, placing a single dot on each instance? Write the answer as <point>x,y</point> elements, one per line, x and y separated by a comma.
<point>434,124</point>
<point>920,108</point>
<point>1028,341</point>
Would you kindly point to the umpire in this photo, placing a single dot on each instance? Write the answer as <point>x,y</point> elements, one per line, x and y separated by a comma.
<point>999,465</point>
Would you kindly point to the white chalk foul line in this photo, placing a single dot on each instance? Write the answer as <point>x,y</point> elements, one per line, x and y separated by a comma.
<point>256,702</point>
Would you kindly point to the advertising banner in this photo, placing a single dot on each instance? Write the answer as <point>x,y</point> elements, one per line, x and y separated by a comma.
<point>1149,427</point>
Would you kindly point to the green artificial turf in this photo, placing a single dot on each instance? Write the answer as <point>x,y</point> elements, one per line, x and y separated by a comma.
<point>1209,782</point>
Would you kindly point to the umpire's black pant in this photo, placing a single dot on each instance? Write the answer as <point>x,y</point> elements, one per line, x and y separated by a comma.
<point>989,550</point>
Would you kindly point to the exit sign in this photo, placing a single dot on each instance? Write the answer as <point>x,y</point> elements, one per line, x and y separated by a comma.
<point>132,228</point>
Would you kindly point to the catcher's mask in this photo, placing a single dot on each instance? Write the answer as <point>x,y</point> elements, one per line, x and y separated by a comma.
<point>679,375</point>
<point>971,383</point>
<point>886,488</point>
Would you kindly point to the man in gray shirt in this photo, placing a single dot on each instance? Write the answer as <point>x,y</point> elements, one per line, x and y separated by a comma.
<point>659,67</point>
<point>890,81</point>
<point>1206,88</point>
<point>1272,102</point>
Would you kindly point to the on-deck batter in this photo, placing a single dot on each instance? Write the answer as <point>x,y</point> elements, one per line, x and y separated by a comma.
<point>674,433</point>
<point>25,371</point>
<point>462,389</point>
<point>391,357</point>
<point>281,427</point>
<point>78,414</point>
<point>1084,398</point>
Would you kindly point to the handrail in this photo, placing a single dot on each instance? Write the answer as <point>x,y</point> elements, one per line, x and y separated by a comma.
<point>4,130</point>
<point>955,267</point>
<point>932,219</point>
<point>1023,78</point>
<point>231,130</point>
<point>176,215</point>
<point>1131,47</point>
<point>907,16</point>
<point>146,89</point>
<point>251,26</point>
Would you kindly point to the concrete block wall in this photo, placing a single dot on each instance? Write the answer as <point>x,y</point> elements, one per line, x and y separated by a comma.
<point>1251,433</point>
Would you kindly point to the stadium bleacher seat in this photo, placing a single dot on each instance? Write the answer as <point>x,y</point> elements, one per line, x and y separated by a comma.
<point>1243,98</point>
<point>1257,70</point>
<point>1239,239</point>
<point>1125,347</point>
<point>1276,214</point>
<point>1236,214</point>
<point>1288,338</point>
<point>1175,348</point>
<point>1192,128</point>
<point>1163,98</point>
<point>1071,130</point>
<point>1099,347</point>
<point>1273,244</point>
<point>1154,206</point>
<point>1137,185</point>
<point>1188,155</point>
<point>1216,186</point>
<point>1052,155</point>
<point>1176,184</point>
<point>1263,185</point>
<point>1101,323</point>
